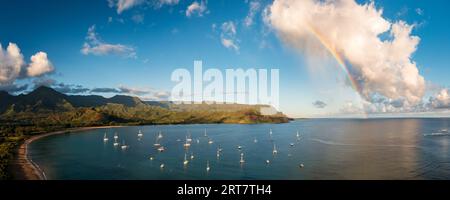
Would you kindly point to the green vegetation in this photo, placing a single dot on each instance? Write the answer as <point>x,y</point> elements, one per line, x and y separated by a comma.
<point>46,110</point>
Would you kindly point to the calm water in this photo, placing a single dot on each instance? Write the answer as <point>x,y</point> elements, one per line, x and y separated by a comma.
<point>328,149</point>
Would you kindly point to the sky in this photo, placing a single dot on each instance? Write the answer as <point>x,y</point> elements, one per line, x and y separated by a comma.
<point>336,58</point>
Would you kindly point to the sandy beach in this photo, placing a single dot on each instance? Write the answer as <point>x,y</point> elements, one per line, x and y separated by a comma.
<point>23,168</point>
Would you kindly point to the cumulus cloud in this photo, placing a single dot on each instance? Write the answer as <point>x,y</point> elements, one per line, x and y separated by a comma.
<point>39,65</point>
<point>319,104</point>
<point>196,8</point>
<point>255,7</point>
<point>228,36</point>
<point>95,46</point>
<point>379,51</point>
<point>14,67</point>
<point>11,63</point>
<point>441,100</point>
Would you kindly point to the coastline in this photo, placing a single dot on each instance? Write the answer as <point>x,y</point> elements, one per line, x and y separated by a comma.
<point>23,168</point>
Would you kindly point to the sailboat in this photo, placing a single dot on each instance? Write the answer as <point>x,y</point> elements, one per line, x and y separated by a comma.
<point>157,144</point>
<point>218,154</point>
<point>161,166</point>
<point>275,151</point>
<point>187,144</point>
<point>140,134</point>
<point>242,158</point>
<point>105,138</point>
<point>160,136</point>
<point>185,162</point>
<point>188,138</point>
<point>124,146</point>
<point>116,136</point>
<point>206,135</point>
<point>270,134</point>
<point>207,166</point>
<point>115,142</point>
<point>210,141</point>
<point>298,136</point>
<point>192,156</point>
<point>161,149</point>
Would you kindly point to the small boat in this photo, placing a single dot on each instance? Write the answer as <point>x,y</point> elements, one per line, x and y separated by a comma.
<point>151,158</point>
<point>274,151</point>
<point>218,153</point>
<point>116,136</point>
<point>192,156</point>
<point>185,162</point>
<point>161,166</point>
<point>140,134</point>
<point>160,136</point>
<point>115,142</point>
<point>239,147</point>
<point>156,145</point>
<point>207,166</point>
<point>292,144</point>
<point>210,141</point>
<point>105,138</point>
<point>267,161</point>
<point>161,149</point>
<point>124,146</point>
<point>301,165</point>
<point>188,138</point>
<point>242,158</point>
<point>187,144</point>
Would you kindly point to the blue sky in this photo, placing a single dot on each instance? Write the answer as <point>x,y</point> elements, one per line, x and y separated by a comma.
<point>163,38</point>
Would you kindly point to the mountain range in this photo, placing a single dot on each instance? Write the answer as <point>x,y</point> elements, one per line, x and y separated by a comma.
<point>46,105</point>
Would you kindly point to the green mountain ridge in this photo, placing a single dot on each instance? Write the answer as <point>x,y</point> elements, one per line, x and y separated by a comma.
<point>45,105</point>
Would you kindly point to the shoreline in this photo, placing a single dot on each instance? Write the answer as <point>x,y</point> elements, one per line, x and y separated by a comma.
<point>24,168</point>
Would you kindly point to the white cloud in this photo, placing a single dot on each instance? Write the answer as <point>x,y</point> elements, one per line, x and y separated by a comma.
<point>196,8</point>
<point>94,45</point>
<point>13,66</point>
<point>441,100</point>
<point>11,63</point>
<point>123,5</point>
<point>255,6</point>
<point>228,36</point>
<point>381,67</point>
<point>39,65</point>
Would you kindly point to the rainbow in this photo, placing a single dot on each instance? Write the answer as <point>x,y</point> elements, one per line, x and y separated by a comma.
<point>332,50</point>
<point>338,58</point>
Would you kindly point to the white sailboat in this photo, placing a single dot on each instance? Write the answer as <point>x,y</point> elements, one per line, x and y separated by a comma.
<point>206,135</point>
<point>298,136</point>
<point>242,158</point>
<point>270,134</point>
<point>274,151</point>
<point>185,162</point>
<point>162,166</point>
<point>187,144</point>
<point>160,136</point>
<point>157,144</point>
<point>116,136</point>
<point>267,161</point>
<point>188,138</point>
<point>210,141</point>
<point>116,143</point>
<point>124,146</point>
<point>161,149</point>
<point>105,138</point>
<point>192,156</point>
<point>207,166</point>
<point>218,154</point>
<point>140,134</point>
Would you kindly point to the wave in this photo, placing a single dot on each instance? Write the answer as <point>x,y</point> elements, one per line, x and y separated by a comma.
<point>436,134</point>
<point>329,142</point>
